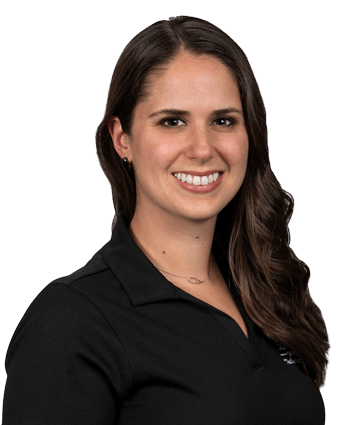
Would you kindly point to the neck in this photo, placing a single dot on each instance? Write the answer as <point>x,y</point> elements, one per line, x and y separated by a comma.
<point>173,243</point>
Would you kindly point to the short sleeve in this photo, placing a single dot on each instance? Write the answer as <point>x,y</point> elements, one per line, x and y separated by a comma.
<point>65,364</point>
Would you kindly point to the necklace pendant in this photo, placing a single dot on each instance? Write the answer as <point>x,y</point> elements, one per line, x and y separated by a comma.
<point>194,280</point>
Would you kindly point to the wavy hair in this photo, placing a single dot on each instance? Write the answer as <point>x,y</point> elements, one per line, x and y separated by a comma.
<point>253,228</point>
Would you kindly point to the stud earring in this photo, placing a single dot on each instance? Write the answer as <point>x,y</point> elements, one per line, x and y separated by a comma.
<point>126,163</point>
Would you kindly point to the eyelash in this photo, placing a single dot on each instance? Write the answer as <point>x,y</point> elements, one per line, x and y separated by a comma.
<point>163,121</point>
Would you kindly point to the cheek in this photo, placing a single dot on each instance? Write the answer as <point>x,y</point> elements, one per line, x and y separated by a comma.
<point>236,151</point>
<point>147,142</point>
<point>165,149</point>
<point>244,151</point>
<point>152,156</point>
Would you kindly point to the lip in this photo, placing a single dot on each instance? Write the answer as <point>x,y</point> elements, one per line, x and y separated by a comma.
<point>200,189</point>
<point>199,173</point>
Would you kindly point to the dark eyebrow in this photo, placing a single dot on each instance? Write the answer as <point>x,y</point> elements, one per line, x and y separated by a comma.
<point>227,111</point>
<point>184,113</point>
<point>169,112</point>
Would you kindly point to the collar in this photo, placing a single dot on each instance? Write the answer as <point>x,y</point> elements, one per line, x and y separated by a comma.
<point>139,277</point>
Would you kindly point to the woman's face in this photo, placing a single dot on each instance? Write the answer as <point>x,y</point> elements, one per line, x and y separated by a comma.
<point>188,142</point>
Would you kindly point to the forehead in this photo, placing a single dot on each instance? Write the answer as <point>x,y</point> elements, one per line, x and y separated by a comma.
<point>194,81</point>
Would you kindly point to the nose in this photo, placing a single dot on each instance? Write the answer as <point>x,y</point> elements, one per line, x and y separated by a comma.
<point>200,145</point>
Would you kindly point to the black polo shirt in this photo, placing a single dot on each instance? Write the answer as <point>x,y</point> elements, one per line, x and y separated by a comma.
<point>117,343</point>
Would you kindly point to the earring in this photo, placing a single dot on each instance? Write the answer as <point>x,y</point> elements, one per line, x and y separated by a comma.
<point>126,163</point>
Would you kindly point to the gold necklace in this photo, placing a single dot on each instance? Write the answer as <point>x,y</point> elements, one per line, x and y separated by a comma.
<point>191,279</point>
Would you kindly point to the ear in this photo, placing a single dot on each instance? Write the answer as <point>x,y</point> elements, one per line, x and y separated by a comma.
<point>120,139</point>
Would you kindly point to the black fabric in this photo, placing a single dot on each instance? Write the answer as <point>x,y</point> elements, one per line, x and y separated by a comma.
<point>117,343</point>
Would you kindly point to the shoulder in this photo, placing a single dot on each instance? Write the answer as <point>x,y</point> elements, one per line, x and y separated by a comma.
<point>59,306</point>
<point>59,317</point>
<point>64,331</point>
<point>67,299</point>
<point>68,317</point>
<point>76,299</point>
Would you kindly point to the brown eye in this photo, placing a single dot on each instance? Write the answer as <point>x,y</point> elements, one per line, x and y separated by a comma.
<point>224,122</point>
<point>172,122</point>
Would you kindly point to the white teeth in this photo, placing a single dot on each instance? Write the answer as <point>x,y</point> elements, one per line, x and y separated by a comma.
<point>189,179</point>
<point>205,180</point>
<point>197,180</point>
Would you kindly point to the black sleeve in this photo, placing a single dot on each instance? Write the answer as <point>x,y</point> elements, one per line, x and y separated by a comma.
<point>65,364</point>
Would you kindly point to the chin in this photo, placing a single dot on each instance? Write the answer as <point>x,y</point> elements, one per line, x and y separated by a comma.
<point>200,215</point>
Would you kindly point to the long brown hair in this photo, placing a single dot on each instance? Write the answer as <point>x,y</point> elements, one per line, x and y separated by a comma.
<point>253,227</point>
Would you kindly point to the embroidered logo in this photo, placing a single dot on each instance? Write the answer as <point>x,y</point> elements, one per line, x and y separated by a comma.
<point>287,355</point>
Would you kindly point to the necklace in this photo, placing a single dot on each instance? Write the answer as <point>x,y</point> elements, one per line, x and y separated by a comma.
<point>191,279</point>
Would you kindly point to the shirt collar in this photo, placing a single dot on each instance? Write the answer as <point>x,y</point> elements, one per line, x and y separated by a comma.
<point>139,277</point>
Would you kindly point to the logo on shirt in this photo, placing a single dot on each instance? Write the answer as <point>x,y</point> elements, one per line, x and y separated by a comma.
<point>287,355</point>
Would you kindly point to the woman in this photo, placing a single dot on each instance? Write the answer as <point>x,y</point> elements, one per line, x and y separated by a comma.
<point>185,315</point>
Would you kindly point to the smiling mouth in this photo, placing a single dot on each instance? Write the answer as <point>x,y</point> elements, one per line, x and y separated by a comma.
<point>197,180</point>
